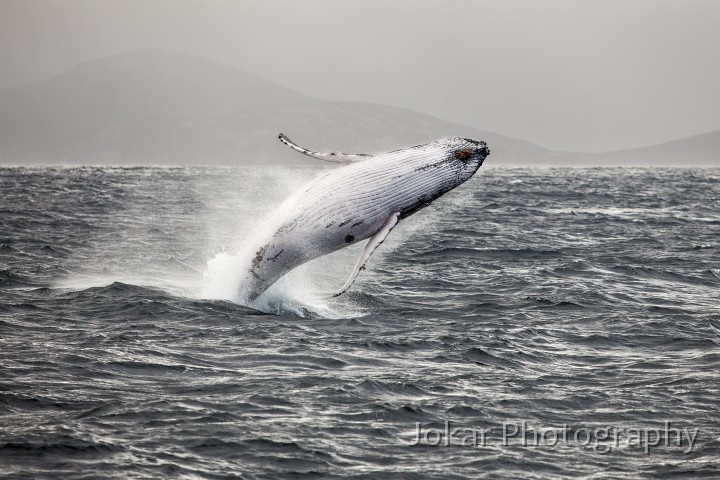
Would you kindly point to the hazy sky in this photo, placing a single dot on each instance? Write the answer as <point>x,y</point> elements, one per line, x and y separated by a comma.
<point>575,75</point>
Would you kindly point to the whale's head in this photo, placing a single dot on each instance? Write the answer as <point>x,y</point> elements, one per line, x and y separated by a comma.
<point>456,159</point>
<point>437,168</point>
<point>466,154</point>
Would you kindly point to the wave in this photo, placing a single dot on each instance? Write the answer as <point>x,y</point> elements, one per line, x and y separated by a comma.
<point>8,278</point>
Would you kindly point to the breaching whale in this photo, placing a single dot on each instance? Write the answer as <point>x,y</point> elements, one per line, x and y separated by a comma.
<point>364,199</point>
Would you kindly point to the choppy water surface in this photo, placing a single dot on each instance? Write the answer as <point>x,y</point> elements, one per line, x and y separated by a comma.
<point>582,302</point>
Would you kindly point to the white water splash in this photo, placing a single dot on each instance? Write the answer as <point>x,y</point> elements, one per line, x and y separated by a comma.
<point>203,253</point>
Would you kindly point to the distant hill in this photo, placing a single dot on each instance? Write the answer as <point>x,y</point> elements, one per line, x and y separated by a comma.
<point>160,107</point>
<point>698,150</point>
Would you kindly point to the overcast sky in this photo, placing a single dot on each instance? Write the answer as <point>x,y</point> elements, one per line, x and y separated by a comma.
<point>565,74</point>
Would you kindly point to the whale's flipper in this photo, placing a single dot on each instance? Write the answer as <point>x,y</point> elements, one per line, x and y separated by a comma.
<point>370,247</point>
<point>328,156</point>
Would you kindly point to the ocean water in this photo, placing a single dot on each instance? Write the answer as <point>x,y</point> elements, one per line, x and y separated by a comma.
<point>533,323</point>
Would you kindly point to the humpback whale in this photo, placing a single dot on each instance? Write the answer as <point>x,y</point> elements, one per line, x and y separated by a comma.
<point>363,199</point>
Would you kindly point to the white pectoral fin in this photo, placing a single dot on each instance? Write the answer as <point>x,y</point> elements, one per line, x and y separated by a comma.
<point>370,247</point>
<point>327,156</point>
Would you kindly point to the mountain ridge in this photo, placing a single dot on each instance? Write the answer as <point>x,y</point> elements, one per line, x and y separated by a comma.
<point>155,106</point>
<point>702,149</point>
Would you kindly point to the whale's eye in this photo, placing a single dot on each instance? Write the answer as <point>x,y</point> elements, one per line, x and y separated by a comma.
<point>463,154</point>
